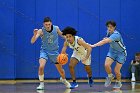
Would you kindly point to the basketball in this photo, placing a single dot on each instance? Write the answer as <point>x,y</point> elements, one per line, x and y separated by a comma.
<point>62,59</point>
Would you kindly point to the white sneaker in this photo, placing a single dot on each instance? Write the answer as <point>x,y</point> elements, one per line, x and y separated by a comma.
<point>117,85</point>
<point>40,87</point>
<point>64,81</point>
<point>67,91</point>
<point>133,79</point>
<point>133,85</point>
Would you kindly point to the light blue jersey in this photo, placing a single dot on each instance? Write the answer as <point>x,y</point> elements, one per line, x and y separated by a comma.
<point>50,39</point>
<point>117,50</point>
<point>117,41</point>
<point>49,47</point>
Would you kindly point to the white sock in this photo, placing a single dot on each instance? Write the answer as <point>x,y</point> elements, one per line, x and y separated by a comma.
<point>41,78</point>
<point>118,80</point>
<point>110,75</point>
<point>133,75</point>
<point>64,80</point>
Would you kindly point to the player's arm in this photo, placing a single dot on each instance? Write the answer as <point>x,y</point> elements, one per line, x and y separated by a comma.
<point>105,38</point>
<point>37,33</point>
<point>63,51</point>
<point>102,42</point>
<point>60,33</point>
<point>86,46</point>
<point>113,37</point>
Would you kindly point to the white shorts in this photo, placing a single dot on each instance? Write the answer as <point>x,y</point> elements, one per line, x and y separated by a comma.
<point>80,57</point>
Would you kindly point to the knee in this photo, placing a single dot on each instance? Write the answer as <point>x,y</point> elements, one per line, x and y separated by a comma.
<point>107,65</point>
<point>87,68</point>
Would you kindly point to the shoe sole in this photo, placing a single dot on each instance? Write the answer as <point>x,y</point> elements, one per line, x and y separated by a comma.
<point>117,87</point>
<point>39,89</point>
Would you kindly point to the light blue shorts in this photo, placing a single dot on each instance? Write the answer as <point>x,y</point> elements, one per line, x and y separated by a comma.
<point>120,57</point>
<point>51,55</point>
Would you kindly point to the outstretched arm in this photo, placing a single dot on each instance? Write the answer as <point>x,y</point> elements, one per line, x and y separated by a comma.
<point>102,42</point>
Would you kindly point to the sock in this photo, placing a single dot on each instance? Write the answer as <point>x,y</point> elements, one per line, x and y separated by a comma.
<point>110,75</point>
<point>74,80</point>
<point>118,80</point>
<point>41,78</point>
<point>63,80</point>
<point>133,75</point>
<point>90,77</point>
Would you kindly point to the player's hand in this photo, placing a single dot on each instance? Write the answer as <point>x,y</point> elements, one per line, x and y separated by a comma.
<point>92,46</point>
<point>104,38</point>
<point>35,32</point>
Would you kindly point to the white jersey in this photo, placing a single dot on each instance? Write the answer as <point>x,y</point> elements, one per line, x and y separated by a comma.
<point>80,50</point>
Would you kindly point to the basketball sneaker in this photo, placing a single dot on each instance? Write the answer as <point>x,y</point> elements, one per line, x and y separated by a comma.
<point>108,80</point>
<point>90,82</point>
<point>64,81</point>
<point>74,85</point>
<point>41,86</point>
<point>118,84</point>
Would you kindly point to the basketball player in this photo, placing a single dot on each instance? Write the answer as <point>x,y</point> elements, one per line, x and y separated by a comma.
<point>117,52</point>
<point>49,50</point>
<point>81,52</point>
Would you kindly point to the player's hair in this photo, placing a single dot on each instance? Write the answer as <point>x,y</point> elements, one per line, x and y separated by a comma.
<point>137,54</point>
<point>47,19</point>
<point>69,30</point>
<point>111,22</point>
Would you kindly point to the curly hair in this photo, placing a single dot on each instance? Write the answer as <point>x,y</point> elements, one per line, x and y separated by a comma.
<point>69,30</point>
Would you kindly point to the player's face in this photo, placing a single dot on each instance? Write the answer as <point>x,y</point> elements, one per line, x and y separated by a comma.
<point>111,28</point>
<point>70,38</point>
<point>47,25</point>
<point>137,58</point>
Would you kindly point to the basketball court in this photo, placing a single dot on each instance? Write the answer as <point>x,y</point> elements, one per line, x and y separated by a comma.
<point>20,54</point>
<point>60,88</point>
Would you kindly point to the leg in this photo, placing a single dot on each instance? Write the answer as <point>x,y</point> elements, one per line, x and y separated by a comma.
<point>73,62</point>
<point>89,71</point>
<point>133,68</point>
<point>60,70</point>
<point>121,57</point>
<point>117,71</point>
<point>118,75</point>
<point>42,63</point>
<point>53,56</point>
<point>88,67</point>
<point>108,63</point>
<point>62,73</point>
